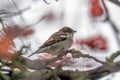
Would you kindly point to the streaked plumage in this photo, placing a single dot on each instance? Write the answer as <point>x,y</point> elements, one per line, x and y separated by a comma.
<point>62,39</point>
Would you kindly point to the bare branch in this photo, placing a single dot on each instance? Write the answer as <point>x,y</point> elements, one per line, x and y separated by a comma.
<point>115,2</point>
<point>5,13</point>
<point>94,73</point>
<point>77,54</point>
<point>48,2</point>
<point>113,56</point>
<point>108,18</point>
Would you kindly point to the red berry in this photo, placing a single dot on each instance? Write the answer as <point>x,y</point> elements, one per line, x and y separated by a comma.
<point>96,9</point>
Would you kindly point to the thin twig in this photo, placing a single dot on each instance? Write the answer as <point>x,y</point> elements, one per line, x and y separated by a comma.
<point>77,54</point>
<point>7,14</point>
<point>116,31</point>
<point>46,2</point>
<point>115,2</point>
<point>94,73</point>
<point>40,20</point>
<point>113,57</point>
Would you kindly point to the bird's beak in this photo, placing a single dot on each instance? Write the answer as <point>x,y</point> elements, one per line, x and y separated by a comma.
<point>74,31</point>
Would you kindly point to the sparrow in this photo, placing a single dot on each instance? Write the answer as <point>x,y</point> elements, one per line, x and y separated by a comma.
<point>60,40</point>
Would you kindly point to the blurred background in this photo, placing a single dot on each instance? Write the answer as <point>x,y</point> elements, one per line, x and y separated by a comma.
<point>96,22</point>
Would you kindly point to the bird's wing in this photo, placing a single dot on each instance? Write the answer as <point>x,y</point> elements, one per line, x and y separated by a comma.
<point>57,37</point>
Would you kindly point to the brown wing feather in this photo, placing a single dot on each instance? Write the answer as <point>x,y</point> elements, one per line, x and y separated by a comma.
<point>57,37</point>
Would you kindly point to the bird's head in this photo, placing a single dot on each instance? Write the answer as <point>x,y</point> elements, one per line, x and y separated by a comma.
<point>67,30</point>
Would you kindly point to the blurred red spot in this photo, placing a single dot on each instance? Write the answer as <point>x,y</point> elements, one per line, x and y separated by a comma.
<point>7,35</point>
<point>46,56</point>
<point>27,32</point>
<point>7,48</point>
<point>96,9</point>
<point>14,31</point>
<point>95,42</point>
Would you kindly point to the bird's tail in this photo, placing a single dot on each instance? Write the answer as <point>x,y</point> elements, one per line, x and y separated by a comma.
<point>38,51</point>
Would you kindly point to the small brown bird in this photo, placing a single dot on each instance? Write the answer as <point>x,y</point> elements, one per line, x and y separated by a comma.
<point>61,40</point>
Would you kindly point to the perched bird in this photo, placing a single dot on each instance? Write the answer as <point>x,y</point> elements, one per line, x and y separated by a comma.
<point>61,40</point>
